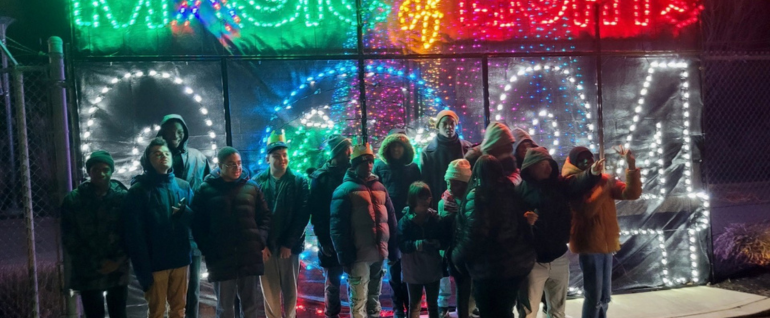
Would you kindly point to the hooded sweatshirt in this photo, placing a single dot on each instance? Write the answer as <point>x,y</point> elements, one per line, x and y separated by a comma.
<point>520,135</point>
<point>189,163</point>
<point>550,200</point>
<point>397,175</point>
<point>595,227</point>
<point>498,140</point>
<point>435,159</point>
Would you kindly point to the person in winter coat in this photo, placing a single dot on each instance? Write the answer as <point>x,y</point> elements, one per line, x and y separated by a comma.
<point>90,224</point>
<point>323,183</point>
<point>595,232</point>
<point>437,155</point>
<point>230,224</point>
<point>396,172</point>
<point>421,234</point>
<point>493,239</point>
<point>547,193</point>
<point>457,176</point>
<point>498,142</point>
<point>286,194</point>
<point>192,166</point>
<point>363,230</point>
<point>157,232</point>
<point>523,142</point>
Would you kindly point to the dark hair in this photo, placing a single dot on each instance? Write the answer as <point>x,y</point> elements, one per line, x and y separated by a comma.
<point>418,190</point>
<point>486,173</point>
<point>226,152</point>
<point>493,197</point>
<point>145,160</point>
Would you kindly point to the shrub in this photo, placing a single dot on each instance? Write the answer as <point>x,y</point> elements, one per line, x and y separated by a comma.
<point>16,295</point>
<point>744,244</point>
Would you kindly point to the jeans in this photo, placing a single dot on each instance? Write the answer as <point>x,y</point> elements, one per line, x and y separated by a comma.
<point>400,292</point>
<point>93,302</point>
<point>444,292</point>
<point>415,299</point>
<point>168,286</point>
<point>333,277</point>
<point>597,284</point>
<point>551,278</point>
<point>496,297</point>
<point>194,288</point>
<point>280,278</point>
<point>364,286</point>
<point>245,288</point>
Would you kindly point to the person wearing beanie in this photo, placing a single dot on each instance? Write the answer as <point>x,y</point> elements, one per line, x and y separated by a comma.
<point>437,155</point>
<point>498,142</point>
<point>157,233</point>
<point>595,232</point>
<point>90,224</point>
<point>192,166</point>
<point>322,185</point>
<point>286,194</point>
<point>457,176</point>
<point>523,142</point>
<point>363,231</point>
<point>397,171</point>
<point>544,191</point>
<point>228,203</point>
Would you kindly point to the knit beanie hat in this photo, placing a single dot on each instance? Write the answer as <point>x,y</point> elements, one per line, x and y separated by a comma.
<point>100,156</point>
<point>361,153</point>
<point>575,153</point>
<point>226,152</point>
<point>497,136</point>
<point>445,113</point>
<point>459,169</point>
<point>276,141</point>
<point>521,135</point>
<point>337,144</point>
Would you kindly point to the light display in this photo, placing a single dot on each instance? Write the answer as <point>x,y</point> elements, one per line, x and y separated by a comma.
<point>155,13</point>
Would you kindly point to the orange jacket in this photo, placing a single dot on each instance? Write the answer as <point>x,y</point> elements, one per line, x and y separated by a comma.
<point>595,227</point>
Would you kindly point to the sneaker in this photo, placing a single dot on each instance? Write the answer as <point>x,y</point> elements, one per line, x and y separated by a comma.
<point>475,313</point>
<point>443,312</point>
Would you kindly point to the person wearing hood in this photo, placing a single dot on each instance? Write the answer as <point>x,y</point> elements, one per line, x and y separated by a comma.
<point>192,166</point>
<point>498,142</point>
<point>363,230</point>
<point>90,225</point>
<point>396,172</point>
<point>523,142</point>
<point>230,224</point>
<point>323,183</point>
<point>287,195</point>
<point>544,191</point>
<point>157,233</point>
<point>595,234</point>
<point>436,156</point>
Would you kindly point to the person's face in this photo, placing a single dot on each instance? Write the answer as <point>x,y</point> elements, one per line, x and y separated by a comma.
<point>345,155</point>
<point>423,204</point>
<point>541,170</point>
<point>457,187</point>
<point>160,159</point>
<point>173,133</point>
<point>278,159</point>
<point>100,174</point>
<point>584,160</point>
<point>447,126</point>
<point>231,167</point>
<point>364,169</point>
<point>521,151</point>
<point>396,151</point>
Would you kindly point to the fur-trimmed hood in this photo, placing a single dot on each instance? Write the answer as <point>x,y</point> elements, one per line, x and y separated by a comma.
<point>384,152</point>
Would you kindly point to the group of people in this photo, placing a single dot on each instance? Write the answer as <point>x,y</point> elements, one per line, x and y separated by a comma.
<point>498,218</point>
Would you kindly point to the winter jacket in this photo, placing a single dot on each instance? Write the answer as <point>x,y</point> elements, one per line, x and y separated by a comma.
<point>397,175</point>
<point>155,239</point>
<point>595,227</point>
<point>423,265</point>
<point>290,210</point>
<point>230,224</point>
<point>196,164</point>
<point>435,159</point>
<point>493,249</point>
<point>550,200</point>
<point>509,164</point>
<point>323,183</point>
<point>91,229</point>
<point>363,223</point>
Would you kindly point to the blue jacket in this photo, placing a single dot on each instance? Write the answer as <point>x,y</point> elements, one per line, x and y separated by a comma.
<point>155,239</point>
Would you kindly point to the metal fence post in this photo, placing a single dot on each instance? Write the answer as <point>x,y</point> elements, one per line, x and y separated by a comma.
<point>21,130</point>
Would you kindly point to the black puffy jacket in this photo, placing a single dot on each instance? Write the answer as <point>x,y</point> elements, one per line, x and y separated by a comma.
<point>322,185</point>
<point>397,175</point>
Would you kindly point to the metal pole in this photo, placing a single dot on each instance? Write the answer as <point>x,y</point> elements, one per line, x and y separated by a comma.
<point>6,92</point>
<point>361,70</point>
<point>485,92</point>
<point>21,130</point>
<point>599,101</point>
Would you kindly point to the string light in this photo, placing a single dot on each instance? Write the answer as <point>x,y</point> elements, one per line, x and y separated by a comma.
<point>155,14</point>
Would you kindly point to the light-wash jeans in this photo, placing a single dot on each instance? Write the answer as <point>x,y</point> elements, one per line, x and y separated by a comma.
<point>246,288</point>
<point>280,278</point>
<point>553,278</point>
<point>444,292</point>
<point>597,284</point>
<point>364,287</point>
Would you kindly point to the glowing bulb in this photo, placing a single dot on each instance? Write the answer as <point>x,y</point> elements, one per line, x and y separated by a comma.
<point>204,110</point>
<point>197,98</point>
<point>212,134</point>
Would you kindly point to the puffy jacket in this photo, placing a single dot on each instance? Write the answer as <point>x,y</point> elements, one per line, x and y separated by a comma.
<point>500,249</point>
<point>322,185</point>
<point>230,224</point>
<point>290,210</point>
<point>196,164</point>
<point>423,266</point>
<point>435,159</point>
<point>550,200</point>
<point>595,227</point>
<point>363,223</point>
<point>155,238</point>
<point>91,228</point>
<point>397,175</point>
